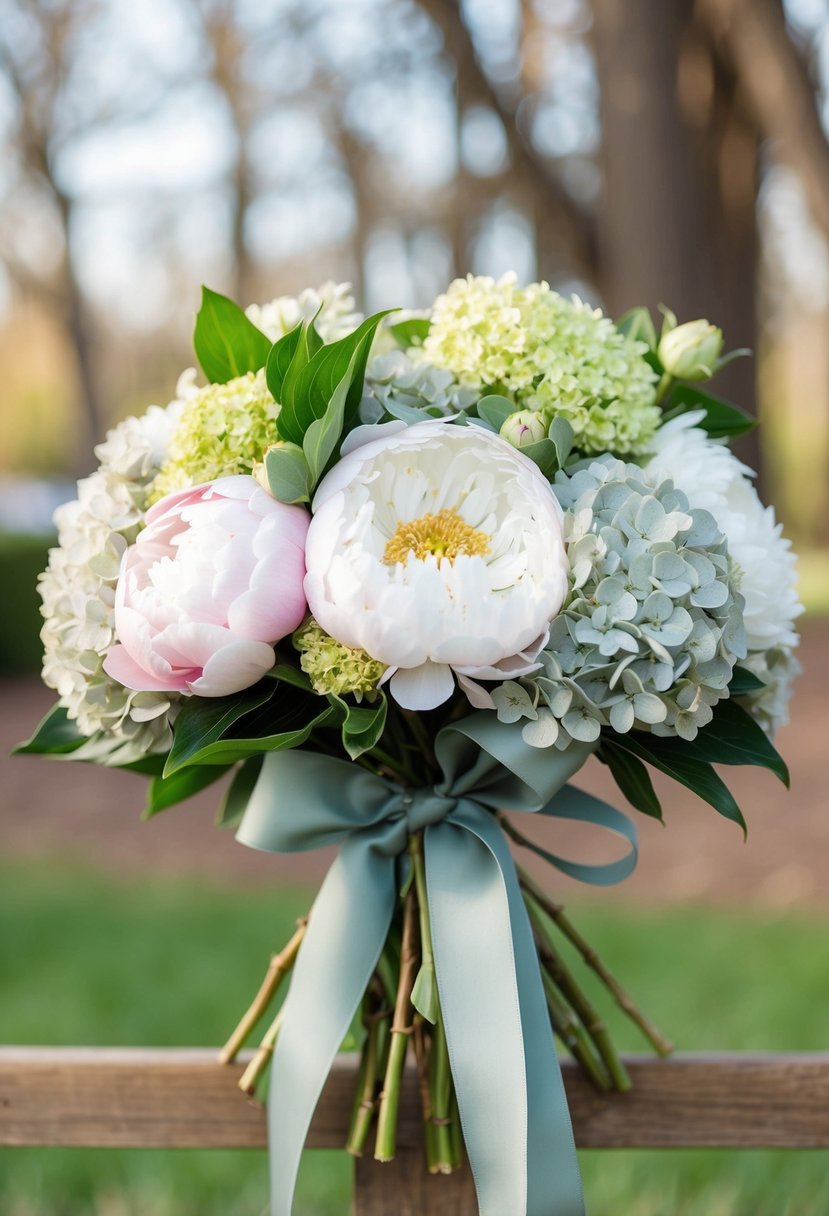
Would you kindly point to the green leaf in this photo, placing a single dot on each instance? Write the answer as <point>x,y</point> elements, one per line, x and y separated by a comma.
<point>733,737</point>
<point>670,756</point>
<point>495,410</point>
<point>743,682</point>
<point>231,749</point>
<point>55,735</point>
<point>637,324</point>
<point>307,346</point>
<point>544,454</point>
<point>279,360</point>
<point>425,994</point>
<point>722,419</point>
<point>362,725</point>
<point>294,676</point>
<point>289,478</point>
<point>323,435</point>
<point>412,332</point>
<point>307,395</point>
<point>562,436</point>
<point>632,778</point>
<point>227,344</point>
<point>238,794</point>
<point>203,720</point>
<point>164,792</point>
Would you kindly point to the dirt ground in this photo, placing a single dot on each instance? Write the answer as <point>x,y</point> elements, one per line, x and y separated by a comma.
<point>50,808</point>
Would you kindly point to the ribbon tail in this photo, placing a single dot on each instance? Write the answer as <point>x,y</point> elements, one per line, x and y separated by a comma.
<point>347,929</point>
<point>510,1092</point>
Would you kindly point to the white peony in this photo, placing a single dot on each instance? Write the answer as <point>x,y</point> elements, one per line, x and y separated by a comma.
<point>332,305</point>
<point>437,549</point>
<point>714,479</point>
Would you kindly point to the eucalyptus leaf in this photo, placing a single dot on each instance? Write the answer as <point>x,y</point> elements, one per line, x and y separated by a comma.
<point>495,410</point>
<point>289,478</point>
<point>562,436</point>
<point>544,454</point>
<point>164,792</point>
<point>226,342</point>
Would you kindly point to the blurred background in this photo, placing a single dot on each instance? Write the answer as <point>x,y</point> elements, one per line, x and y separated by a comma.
<point>632,151</point>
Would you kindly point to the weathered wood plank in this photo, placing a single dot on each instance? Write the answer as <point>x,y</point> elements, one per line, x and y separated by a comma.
<point>182,1098</point>
<point>404,1187</point>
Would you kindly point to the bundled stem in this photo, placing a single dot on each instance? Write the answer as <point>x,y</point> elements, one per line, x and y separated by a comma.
<point>558,971</point>
<point>557,914</point>
<point>573,1035</point>
<point>400,1031</point>
<point>250,1077</point>
<point>442,1095</point>
<point>376,1020</point>
<point>278,968</point>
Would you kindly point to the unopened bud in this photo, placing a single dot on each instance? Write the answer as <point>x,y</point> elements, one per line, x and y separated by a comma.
<point>691,351</point>
<point>524,428</point>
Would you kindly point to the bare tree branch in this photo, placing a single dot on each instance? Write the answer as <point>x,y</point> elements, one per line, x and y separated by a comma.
<point>752,36</point>
<point>575,228</point>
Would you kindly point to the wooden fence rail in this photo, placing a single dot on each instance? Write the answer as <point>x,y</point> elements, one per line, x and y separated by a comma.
<point>182,1098</point>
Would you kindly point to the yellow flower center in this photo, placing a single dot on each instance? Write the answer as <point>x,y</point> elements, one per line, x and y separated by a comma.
<point>444,535</point>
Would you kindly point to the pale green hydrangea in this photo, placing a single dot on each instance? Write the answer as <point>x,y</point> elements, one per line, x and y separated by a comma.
<point>652,625</point>
<point>223,429</point>
<point>333,667</point>
<point>548,353</point>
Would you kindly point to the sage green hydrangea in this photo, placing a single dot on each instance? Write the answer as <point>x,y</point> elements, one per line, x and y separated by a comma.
<point>652,625</point>
<point>397,384</point>
<point>223,429</point>
<point>558,356</point>
<point>334,667</point>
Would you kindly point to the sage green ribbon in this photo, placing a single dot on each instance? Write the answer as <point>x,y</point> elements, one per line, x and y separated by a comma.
<point>511,1099</point>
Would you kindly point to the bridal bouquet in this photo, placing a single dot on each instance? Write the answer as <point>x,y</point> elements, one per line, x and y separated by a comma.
<point>399,577</point>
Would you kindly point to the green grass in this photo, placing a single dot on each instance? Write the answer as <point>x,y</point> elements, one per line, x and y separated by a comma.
<point>88,959</point>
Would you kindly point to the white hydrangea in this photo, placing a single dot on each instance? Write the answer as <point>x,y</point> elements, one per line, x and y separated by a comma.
<point>78,589</point>
<point>332,301</point>
<point>715,480</point>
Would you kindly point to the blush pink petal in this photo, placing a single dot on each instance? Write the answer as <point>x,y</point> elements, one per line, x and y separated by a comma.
<point>122,667</point>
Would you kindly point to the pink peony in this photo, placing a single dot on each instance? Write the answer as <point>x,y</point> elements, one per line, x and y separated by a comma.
<point>212,582</point>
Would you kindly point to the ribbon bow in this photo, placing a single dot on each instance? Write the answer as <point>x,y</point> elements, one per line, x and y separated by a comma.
<point>520,1145</point>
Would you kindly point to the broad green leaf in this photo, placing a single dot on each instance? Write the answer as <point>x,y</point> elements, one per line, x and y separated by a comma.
<point>670,756</point>
<point>307,346</point>
<point>231,749</point>
<point>289,477</point>
<point>722,419</point>
<point>279,360</point>
<point>56,735</point>
<point>637,324</point>
<point>227,344</point>
<point>290,675</point>
<point>544,454</point>
<point>362,725</point>
<point>412,332</point>
<point>323,435</point>
<point>306,396</point>
<point>495,410</point>
<point>164,792</point>
<point>733,737</point>
<point>238,794</point>
<point>632,778</point>
<point>203,720</point>
<point>744,681</point>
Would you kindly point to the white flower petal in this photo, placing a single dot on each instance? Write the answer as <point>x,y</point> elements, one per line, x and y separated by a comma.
<point>422,687</point>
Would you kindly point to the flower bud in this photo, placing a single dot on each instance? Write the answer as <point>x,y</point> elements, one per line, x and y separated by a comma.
<point>523,428</point>
<point>691,351</point>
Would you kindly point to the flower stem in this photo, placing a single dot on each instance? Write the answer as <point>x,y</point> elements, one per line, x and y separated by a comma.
<point>573,1035</point>
<point>426,994</point>
<point>399,1038</point>
<point>421,1049</point>
<point>278,968</point>
<point>250,1077</point>
<point>557,914</point>
<point>375,1018</point>
<point>555,966</point>
<point>441,1090</point>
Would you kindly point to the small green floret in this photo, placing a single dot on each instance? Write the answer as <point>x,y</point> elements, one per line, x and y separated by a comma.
<point>334,668</point>
<point>224,429</point>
